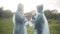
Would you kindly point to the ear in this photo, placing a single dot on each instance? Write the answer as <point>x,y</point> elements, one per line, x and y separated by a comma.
<point>40,8</point>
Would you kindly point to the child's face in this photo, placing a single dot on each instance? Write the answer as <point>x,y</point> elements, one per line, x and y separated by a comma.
<point>33,12</point>
<point>40,8</point>
<point>20,7</point>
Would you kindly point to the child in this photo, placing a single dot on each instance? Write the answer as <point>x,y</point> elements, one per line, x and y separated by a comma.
<point>19,21</point>
<point>40,22</point>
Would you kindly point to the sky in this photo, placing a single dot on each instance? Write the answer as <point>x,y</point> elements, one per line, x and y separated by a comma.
<point>30,4</point>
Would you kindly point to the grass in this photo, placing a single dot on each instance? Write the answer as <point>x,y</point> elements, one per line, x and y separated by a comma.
<point>6,27</point>
<point>30,30</point>
<point>55,28</point>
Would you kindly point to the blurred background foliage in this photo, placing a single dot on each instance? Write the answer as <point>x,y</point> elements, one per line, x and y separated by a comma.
<point>6,24</point>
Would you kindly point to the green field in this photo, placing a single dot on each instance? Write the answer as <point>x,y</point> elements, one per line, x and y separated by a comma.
<point>6,27</point>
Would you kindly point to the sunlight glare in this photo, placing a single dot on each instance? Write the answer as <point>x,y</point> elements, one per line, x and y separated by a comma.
<point>28,4</point>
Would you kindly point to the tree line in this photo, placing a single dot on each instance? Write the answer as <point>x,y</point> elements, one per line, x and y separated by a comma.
<point>5,13</point>
<point>51,15</point>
